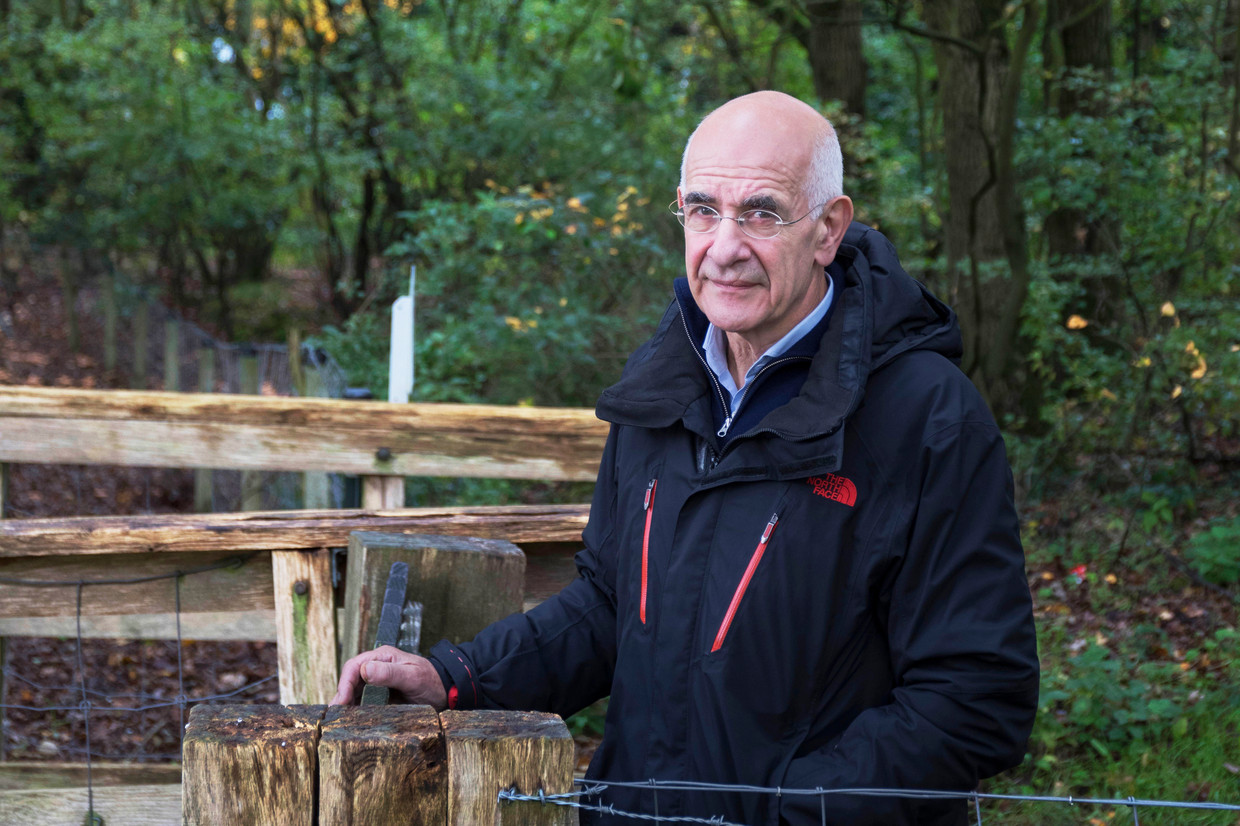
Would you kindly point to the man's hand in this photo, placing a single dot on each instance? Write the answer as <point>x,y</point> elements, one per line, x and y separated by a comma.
<point>412,679</point>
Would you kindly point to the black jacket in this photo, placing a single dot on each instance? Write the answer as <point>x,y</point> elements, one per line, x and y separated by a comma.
<point>835,598</point>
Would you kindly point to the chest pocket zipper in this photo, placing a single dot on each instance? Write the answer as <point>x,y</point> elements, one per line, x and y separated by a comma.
<point>648,507</point>
<point>744,583</point>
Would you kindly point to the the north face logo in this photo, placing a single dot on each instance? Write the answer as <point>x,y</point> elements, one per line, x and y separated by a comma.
<point>835,488</point>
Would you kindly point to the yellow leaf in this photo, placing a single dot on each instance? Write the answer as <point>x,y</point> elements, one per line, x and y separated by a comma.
<point>571,229</point>
<point>513,322</point>
<point>519,219</point>
<point>613,251</point>
<point>1075,322</point>
<point>1107,394</point>
<point>1175,394</point>
<point>1168,309</point>
<point>1144,361</point>
<point>1190,348</point>
<point>1200,371</point>
<point>563,302</point>
<point>1112,579</point>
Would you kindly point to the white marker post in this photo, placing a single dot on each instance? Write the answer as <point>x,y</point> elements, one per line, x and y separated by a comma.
<point>400,359</point>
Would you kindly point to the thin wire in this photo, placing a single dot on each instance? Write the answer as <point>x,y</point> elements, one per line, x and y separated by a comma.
<point>85,706</point>
<point>977,807</point>
<point>1136,821</point>
<point>180,668</point>
<point>150,707</point>
<point>228,562</point>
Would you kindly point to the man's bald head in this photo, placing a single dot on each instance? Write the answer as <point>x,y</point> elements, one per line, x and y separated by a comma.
<point>781,118</point>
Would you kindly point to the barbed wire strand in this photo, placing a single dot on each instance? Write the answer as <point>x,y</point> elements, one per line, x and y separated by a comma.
<point>592,789</point>
<point>91,818</point>
<point>130,709</point>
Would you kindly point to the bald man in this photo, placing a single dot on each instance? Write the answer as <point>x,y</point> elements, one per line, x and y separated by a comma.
<point>802,567</point>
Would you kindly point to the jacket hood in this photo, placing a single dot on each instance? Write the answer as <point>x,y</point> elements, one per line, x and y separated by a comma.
<point>880,313</point>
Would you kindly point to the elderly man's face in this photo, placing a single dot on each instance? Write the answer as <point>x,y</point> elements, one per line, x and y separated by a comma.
<point>754,289</point>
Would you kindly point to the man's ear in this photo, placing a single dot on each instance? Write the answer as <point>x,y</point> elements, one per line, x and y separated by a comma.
<point>680,199</point>
<point>833,223</point>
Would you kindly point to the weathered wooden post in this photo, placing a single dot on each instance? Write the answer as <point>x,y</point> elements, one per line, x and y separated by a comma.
<point>305,625</point>
<point>489,751</point>
<point>382,765</point>
<point>464,584</point>
<point>372,765</point>
<point>248,764</point>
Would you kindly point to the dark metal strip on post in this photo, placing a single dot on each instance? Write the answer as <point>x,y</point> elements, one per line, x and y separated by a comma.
<point>389,625</point>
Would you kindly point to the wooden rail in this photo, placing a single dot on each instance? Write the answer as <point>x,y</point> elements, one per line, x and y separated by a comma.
<point>189,430</point>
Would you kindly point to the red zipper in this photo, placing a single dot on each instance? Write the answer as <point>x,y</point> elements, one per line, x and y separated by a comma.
<point>740,589</point>
<point>648,507</point>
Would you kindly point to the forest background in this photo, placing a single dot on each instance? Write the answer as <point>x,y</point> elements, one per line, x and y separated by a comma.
<point>1064,172</point>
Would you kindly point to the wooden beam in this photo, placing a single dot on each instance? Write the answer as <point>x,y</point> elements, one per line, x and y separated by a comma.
<point>14,776</point>
<point>155,805</point>
<point>247,764</point>
<point>305,625</point>
<point>282,530</point>
<point>464,585</point>
<point>222,579</point>
<point>56,425</point>
<point>382,765</point>
<point>493,750</point>
<point>254,625</point>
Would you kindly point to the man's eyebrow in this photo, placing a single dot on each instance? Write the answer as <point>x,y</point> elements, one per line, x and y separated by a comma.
<point>698,198</point>
<point>766,202</point>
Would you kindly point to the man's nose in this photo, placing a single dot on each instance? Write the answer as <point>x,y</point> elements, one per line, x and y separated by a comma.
<point>728,243</point>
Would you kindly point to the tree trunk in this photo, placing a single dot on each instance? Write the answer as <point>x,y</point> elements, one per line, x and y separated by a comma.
<point>836,59</point>
<point>985,238</point>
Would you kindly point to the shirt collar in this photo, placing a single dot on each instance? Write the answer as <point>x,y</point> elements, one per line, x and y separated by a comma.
<point>715,345</point>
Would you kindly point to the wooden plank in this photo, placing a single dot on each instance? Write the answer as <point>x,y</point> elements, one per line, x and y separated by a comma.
<point>241,583</point>
<point>382,765</point>
<point>282,530</point>
<point>248,764</point>
<point>383,492</point>
<point>40,775</point>
<point>255,625</point>
<point>57,425</point>
<point>305,625</point>
<point>493,750</point>
<point>154,805</point>
<point>464,585</point>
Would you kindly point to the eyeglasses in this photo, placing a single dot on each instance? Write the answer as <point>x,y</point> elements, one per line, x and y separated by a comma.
<point>756,223</point>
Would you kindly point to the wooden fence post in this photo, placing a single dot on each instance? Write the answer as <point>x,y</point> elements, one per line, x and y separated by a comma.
<point>109,323</point>
<point>382,493</point>
<point>172,355</point>
<point>316,490</point>
<point>382,765</point>
<point>305,625</point>
<point>202,476</point>
<point>247,764</point>
<point>137,379</point>
<point>489,751</point>
<point>463,583</point>
<point>251,480</point>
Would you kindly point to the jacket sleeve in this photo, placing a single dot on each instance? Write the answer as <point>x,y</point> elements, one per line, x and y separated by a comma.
<point>560,655</point>
<point>963,651</point>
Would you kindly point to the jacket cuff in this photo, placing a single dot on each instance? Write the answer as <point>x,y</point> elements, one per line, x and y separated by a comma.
<point>457,674</point>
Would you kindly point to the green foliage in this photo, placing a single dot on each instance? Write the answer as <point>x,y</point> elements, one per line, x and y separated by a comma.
<point>1215,552</point>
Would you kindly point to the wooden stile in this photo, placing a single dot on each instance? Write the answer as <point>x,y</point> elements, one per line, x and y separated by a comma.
<point>305,625</point>
<point>247,764</point>
<point>382,765</point>
<point>464,584</point>
<point>489,751</point>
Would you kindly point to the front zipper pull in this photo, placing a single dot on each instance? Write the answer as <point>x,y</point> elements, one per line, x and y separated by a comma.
<point>770,526</point>
<point>723,431</point>
<point>649,494</point>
